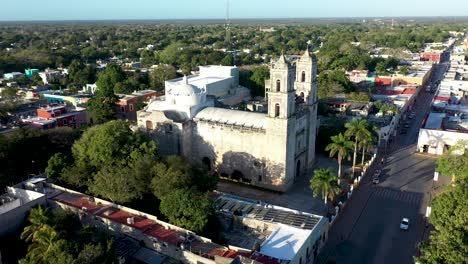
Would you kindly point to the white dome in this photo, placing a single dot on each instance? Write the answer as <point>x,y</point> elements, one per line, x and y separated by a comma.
<point>184,89</point>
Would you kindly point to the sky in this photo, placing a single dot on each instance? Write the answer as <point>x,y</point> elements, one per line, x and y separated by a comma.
<point>12,10</point>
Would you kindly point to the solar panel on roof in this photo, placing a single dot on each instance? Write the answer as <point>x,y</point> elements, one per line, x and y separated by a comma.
<point>228,205</point>
<point>237,206</point>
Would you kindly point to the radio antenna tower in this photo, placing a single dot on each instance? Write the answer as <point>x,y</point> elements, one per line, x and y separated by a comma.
<point>228,26</point>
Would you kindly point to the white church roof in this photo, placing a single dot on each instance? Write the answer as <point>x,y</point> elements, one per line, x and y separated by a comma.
<point>233,117</point>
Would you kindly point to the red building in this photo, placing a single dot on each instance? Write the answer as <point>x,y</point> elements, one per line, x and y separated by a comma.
<point>128,104</point>
<point>383,81</point>
<point>57,116</point>
<point>431,56</point>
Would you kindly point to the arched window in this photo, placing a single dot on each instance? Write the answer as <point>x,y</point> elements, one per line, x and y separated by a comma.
<point>278,85</point>
<point>206,163</point>
<point>303,76</point>
<point>277,110</point>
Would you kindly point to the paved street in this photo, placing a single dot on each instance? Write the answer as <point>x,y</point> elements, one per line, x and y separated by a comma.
<point>368,229</point>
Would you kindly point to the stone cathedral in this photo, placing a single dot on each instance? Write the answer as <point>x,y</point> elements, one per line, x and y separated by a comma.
<point>269,149</point>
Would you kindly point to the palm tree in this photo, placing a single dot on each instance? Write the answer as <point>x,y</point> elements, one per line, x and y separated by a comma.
<point>44,241</point>
<point>365,144</point>
<point>340,145</point>
<point>357,129</point>
<point>325,182</point>
<point>368,141</point>
<point>38,217</point>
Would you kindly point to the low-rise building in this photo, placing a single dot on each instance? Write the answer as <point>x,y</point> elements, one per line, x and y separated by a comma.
<point>15,204</point>
<point>53,116</point>
<point>30,72</point>
<point>12,75</point>
<point>448,121</point>
<point>50,75</point>
<point>128,103</point>
<point>281,235</point>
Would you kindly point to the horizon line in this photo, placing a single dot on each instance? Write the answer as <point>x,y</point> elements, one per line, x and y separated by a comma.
<point>243,18</point>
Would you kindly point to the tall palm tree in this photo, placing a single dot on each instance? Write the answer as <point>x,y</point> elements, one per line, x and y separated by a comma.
<point>357,129</point>
<point>341,146</point>
<point>325,182</point>
<point>38,217</point>
<point>365,144</point>
<point>368,141</point>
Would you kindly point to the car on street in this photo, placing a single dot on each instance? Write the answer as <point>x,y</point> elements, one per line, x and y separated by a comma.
<point>403,131</point>
<point>376,177</point>
<point>404,224</point>
<point>406,125</point>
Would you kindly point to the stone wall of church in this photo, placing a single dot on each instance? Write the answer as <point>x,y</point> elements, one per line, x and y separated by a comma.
<point>253,156</point>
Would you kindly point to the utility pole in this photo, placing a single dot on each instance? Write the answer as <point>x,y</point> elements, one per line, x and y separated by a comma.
<point>228,26</point>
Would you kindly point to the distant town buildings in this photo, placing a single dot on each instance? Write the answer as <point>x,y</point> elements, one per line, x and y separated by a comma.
<point>447,123</point>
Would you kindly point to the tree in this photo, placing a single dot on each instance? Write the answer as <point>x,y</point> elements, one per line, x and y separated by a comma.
<point>448,242</point>
<point>9,93</point>
<point>80,74</point>
<point>454,163</point>
<point>38,217</point>
<point>116,184</point>
<point>103,106</point>
<point>257,80</point>
<point>228,60</point>
<point>381,67</point>
<point>161,74</point>
<point>325,182</point>
<point>168,178</point>
<point>341,146</point>
<point>112,143</point>
<point>357,129</point>
<point>366,143</point>
<point>44,240</point>
<point>188,208</point>
<point>55,166</point>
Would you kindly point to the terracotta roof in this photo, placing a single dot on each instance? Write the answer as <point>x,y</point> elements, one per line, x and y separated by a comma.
<point>121,216</point>
<point>167,235</point>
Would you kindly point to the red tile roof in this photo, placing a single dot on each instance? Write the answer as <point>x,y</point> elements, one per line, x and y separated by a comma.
<point>78,202</point>
<point>121,216</point>
<point>409,91</point>
<point>442,98</point>
<point>167,235</point>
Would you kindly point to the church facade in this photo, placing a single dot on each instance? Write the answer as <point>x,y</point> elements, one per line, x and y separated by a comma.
<point>270,149</point>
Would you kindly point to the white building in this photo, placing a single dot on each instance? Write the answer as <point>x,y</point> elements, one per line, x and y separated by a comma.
<point>221,82</point>
<point>269,150</point>
<point>15,204</point>
<point>444,128</point>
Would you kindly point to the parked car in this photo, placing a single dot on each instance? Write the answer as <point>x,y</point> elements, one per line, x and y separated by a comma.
<point>376,177</point>
<point>403,131</point>
<point>404,224</point>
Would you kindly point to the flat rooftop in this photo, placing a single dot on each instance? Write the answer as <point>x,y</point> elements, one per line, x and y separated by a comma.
<point>292,231</point>
<point>161,231</point>
<point>200,81</point>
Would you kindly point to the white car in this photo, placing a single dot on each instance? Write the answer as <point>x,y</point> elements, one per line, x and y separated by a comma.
<point>404,224</point>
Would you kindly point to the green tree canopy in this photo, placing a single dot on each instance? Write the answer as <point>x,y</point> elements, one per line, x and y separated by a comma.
<point>161,74</point>
<point>188,208</point>
<point>448,242</point>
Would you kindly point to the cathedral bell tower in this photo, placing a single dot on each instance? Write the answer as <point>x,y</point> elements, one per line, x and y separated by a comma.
<point>280,89</point>
<point>306,79</point>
